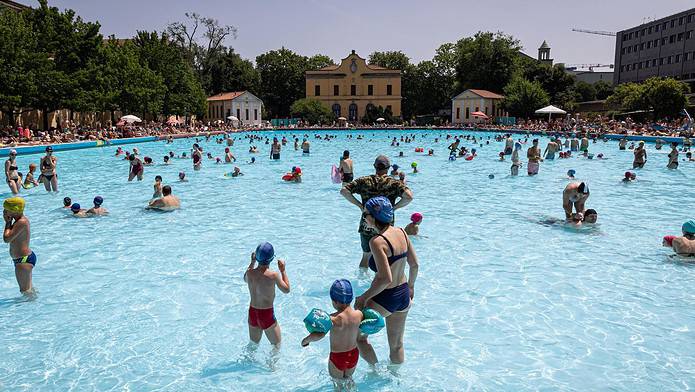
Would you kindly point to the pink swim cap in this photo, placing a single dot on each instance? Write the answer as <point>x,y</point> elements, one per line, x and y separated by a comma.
<point>416,217</point>
<point>669,239</point>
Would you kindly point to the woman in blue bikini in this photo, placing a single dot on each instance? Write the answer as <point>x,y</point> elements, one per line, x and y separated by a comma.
<point>390,292</point>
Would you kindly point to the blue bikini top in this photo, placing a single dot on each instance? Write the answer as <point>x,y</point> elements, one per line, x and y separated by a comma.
<point>393,258</point>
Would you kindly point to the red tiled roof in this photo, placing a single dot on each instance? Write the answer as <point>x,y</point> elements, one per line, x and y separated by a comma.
<point>225,96</point>
<point>486,94</point>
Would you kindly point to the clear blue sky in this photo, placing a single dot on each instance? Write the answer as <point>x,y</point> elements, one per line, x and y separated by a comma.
<point>415,27</point>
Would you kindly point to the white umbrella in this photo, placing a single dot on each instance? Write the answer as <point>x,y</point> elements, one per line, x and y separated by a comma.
<point>380,119</point>
<point>131,119</point>
<point>550,110</point>
<point>233,118</point>
<point>342,118</point>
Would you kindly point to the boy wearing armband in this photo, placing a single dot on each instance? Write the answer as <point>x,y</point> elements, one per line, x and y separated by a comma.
<point>261,281</point>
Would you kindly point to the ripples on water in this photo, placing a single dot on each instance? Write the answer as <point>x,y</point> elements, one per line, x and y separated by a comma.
<point>151,301</point>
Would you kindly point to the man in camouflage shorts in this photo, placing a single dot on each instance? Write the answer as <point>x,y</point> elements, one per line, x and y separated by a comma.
<point>379,184</point>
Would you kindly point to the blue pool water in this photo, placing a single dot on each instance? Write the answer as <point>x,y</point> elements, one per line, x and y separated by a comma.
<point>144,301</point>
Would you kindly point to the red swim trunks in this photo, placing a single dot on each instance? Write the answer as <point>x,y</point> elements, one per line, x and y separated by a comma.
<point>345,360</point>
<point>261,318</point>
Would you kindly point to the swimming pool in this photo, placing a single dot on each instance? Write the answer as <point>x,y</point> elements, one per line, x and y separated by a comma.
<point>149,301</point>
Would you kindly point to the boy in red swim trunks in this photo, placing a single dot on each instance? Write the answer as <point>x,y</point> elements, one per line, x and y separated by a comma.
<point>262,281</point>
<point>346,326</point>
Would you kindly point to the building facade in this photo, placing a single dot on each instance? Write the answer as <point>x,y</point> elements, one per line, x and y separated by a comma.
<point>350,87</point>
<point>465,104</point>
<point>243,105</point>
<point>664,47</point>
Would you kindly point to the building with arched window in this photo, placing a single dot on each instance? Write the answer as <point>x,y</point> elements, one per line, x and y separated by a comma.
<point>349,87</point>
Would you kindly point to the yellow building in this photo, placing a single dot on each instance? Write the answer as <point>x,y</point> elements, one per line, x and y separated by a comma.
<point>350,87</point>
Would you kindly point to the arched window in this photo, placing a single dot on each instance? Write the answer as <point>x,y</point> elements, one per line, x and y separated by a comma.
<point>352,114</point>
<point>336,109</point>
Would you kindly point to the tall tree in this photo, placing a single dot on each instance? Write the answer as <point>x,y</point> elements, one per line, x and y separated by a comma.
<point>523,97</point>
<point>666,96</point>
<point>282,80</point>
<point>486,61</point>
<point>229,72</point>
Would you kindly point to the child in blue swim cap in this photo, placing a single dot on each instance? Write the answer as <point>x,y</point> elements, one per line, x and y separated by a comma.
<point>261,281</point>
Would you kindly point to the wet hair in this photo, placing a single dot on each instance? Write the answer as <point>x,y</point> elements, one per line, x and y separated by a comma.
<point>158,178</point>
<point>166,190</point>
<point>581,187</point>
<point>67,201</point>
<point>590,211</point>
<point>346,154</point>
<point>131,157</point>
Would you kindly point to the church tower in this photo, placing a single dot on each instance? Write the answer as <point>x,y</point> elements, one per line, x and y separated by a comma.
<point>544,54</point>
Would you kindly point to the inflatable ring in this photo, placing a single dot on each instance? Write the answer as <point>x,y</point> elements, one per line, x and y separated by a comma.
<point>318,321</point>
<point>373,322</point>
<point>288,177</point>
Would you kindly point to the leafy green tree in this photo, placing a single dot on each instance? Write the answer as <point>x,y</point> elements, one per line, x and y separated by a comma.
<point>523,97</point>
<point>373,113</point>
<point>556,81</point>
<point>282,80</point>
<point>666,96</point>
<point>486,61</point>
<point>229,72</point>
<point>629,96</point>
<point>318,61</point>
<point>312,110</point>
<point>586,91</point>
<point>603,89</point>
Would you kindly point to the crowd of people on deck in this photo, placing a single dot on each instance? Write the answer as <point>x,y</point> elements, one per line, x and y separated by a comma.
<point>386,249</point>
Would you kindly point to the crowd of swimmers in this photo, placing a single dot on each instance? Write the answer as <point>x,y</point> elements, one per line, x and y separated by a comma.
<point>386,249</point>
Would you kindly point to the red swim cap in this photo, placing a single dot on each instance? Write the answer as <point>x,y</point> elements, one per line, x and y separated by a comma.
<point>416,217</point>
<point>669,239</point>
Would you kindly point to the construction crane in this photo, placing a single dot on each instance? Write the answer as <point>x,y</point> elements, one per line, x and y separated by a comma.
<point>597,32</point>
<point>590,66</point>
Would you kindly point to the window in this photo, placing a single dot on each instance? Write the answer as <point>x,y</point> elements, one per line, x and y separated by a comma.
<point>661,61</point>
<point>646,64</point>
<point>336,109</point>
<point>663,26</point>
<point>672,39</point>
<point>229,112</point>
<point>654,63</point>
<point>639,65</point>
<point>485,109</point>
<point>247,114</point>
<point>689,34</point>
<point>353,90</point>
<point>649,44</point>
<point>336,90</point>
<point>635,47</point>
<point>458,113</point>
<point>656,28</point>
<point>685,56</point>
<point>468,113</point>
<point>680,21</point>
<point>656,43</point>
<point>680,37</point>
<point>622,51</point>
<point>690,18</point>
<point>238,113</point>
<point>663,41</point>
<point>670,59</point>
<point>622,68</point>
<point>352,112</point>
<point>678,58</point>
<point>624,37</point>
<point>370,89</point>
<point>641,46</point>
<point>627,67</point>
<point>629,49</point>
<point>643,32</point>
<point>673,23</point>
<point>630,37</point>
<point>255,114</point>
<point>651,28</point>
<point>317,90</point>
<point>389,89</point>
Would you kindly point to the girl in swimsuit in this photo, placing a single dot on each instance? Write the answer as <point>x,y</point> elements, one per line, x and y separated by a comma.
<point>391,292</point>
<point>197,157</point>
<point>48,170</point>
<point>11,175</point>
<point>136,168</point>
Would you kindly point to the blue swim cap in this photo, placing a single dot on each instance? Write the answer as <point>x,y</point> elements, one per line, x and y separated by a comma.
<point>265,253</point>
<point>341,291</point>
<point>571,172</point>
<point>491,176</point>
<point>380,208</point>
<point>98,200</point>
<point>689,227</point>
<point>75,207</point>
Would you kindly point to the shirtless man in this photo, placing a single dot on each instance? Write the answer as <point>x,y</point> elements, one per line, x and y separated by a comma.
<point>305,146</point>
<point>98,209</point>
<point>228,156</point>
<point>167,201</point>
<point>685,245</point>
<point>516,163</point>
<point>453,147</point>
<point>550,150</point>
<point>508,145</point>
<point>534,157</point>
<point>17,234</point>
<point>584,144</point>
<point>48,170</point>
<point>343,333</point>
<point>673,156</point>
<point>640,156</point>
<point>574,143</point>
<point>275,149</point>
<point>261,281</point>
<point>574,195</point>
<point>345,167</point>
